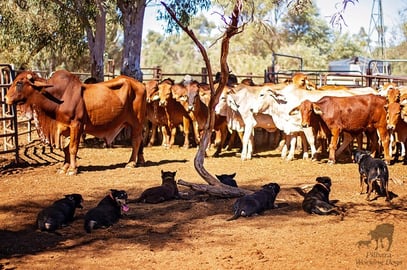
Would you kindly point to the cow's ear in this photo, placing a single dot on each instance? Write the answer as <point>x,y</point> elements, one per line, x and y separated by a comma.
<point>316,109</point>
<point>294,111</point>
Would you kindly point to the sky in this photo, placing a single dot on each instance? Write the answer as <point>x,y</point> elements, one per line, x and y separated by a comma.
<point>356,16</point>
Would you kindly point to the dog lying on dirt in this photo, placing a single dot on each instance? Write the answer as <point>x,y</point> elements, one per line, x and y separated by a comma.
<point>316,201</point>
<point>374,173</point>
<point>227,179</point>
<point>60,213</point>
<point>257,202</point>
<point>167,191</point>
<point>107,212</point>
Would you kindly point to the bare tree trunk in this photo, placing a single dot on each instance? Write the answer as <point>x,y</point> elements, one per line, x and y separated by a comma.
<point>133,16</point>
<point>97,43</point>
<point>217,188</point>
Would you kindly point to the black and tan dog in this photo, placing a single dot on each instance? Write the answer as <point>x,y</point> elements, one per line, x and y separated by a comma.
<point>107,212</point>
<point>374,173</point>
<point>60,213</point>
<point>316,201</point>
<point>257,202</point>
<point>167,191</point>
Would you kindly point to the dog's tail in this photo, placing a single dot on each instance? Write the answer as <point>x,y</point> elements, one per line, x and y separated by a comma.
<point>89,225</point>
<point>238,213</point>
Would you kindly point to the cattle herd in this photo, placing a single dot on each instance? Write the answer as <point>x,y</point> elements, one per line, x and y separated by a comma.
<point>327,119</point>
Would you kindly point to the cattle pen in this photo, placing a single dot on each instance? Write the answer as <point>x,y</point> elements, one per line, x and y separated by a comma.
<point>15,124</point>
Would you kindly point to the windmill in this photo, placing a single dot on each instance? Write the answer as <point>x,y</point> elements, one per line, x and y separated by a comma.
<point>376,28</point>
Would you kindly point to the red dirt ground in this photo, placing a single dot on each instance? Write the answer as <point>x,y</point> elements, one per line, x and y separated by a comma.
<point>194,233</point>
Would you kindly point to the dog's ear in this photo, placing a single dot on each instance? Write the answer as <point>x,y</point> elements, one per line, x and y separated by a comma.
<point>233,175</point>
<point>69,197</point>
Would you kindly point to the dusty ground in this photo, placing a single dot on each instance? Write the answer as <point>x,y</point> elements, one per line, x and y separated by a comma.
<point>194,234</point>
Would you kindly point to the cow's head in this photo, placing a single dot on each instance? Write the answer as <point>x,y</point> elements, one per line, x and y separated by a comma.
<point>393,95</point>
<point>164,91</point>
<point>306,109</point>
<point>24,86</point>
<point>393,111</point>
<point>152,90</point>
<point>300,80</point>
<point>267,98</point>
<point>193,89</point>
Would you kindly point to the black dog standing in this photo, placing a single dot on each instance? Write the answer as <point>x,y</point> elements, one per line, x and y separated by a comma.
<point>257,202</point>
<point>60,213</point>
<point>374,173</point>
<point>316,201</point>
<point>107,212</point>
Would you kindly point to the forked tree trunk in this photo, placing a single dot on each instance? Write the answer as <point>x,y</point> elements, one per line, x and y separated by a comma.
<point>215,187</point>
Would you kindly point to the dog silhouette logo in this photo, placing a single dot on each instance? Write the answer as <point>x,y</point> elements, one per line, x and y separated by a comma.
<point>379,234</point>
<point>382,231</point>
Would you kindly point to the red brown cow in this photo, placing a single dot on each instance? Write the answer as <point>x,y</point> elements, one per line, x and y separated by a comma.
<point>350,114</point>
<point>201,114</point>
<point>396,126</point>
<point>156,115</point>
<point>176,114</point>
<point>66,107</point>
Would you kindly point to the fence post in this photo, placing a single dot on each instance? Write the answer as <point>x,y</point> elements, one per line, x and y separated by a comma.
<point>204,75</point>
<point>157,73</point>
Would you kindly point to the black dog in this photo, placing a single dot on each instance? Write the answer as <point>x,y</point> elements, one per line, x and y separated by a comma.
<point>257,202</point>
<point>316,201</point>
<point>374,173</point>
<point>60,213</point>
<point>167,191</point>
<point>227,179</point>
<point>107,212</point>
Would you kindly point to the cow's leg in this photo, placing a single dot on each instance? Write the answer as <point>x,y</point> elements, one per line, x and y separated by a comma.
<point>166,138</point>
<point>75,138</point>
<point>223,135</point>
<point>384,137</point>
<point>333,145</point>
<point>347,139</point>
<point>293,141</point>
<point>310,136</point>
<point>304,146</point>
<point>172,138</point>
<point>153,134</point>
<point>137,154</point>
<point>246,152</point>
<point>186,124</point>
<point>65,166</point>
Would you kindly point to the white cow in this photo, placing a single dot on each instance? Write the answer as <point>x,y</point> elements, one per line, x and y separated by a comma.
<point>235,105</point>
<point>280,103</point>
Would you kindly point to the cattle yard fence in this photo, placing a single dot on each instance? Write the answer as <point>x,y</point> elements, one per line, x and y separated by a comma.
<point>14,124</point>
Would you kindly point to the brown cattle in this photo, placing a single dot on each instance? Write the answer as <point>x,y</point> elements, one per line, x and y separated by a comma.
<point>396,126</point>
<point>176,114</point>
<point>201,114</point>
<point>156,116</point>
<point>349,114</point>
<point>301,81</point>
<point>67,108</point>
